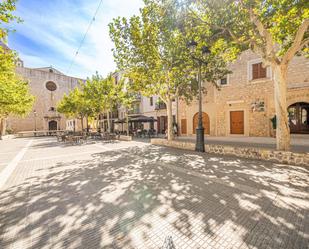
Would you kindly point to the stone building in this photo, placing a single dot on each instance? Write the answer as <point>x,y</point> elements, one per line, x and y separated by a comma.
<point>244,105</point>
<point>48,85</point>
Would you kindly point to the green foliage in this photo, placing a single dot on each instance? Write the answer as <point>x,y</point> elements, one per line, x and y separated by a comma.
<point>269,27</point>
<point>151,50</point>
<point>102,93</point>
<point>97,95</point>
<point>15,97</point>
<point>75,104</point>
<point>6,16</point>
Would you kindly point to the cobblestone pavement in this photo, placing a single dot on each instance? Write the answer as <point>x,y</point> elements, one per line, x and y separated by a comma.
<point>135,195</point>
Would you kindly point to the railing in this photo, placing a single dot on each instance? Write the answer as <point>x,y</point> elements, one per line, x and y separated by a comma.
<point>134,111</point>
<point>160,106</point>
<point>111,115</point>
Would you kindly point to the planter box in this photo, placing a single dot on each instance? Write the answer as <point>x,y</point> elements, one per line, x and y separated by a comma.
<point>284,157</point>
<point>125,138</point>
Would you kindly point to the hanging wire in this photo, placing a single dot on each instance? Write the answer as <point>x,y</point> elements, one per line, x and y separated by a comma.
<point>84,37</point>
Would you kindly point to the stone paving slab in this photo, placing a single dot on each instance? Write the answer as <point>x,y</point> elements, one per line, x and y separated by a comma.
<point>9,149</point>
<point>134,195</point>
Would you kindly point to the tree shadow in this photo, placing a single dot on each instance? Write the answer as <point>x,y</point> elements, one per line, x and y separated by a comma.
<point>135,197</point>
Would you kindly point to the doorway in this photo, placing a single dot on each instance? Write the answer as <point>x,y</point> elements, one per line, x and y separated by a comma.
<point>237,125</point>
<point>52,125</point>
<point>205,120</point>
<point>299,117</point>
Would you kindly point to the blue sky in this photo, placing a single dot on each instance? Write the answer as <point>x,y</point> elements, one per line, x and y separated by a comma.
<point>53,29</point>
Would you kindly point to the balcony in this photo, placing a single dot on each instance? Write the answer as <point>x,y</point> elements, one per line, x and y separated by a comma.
<point>134,111</point>
<point>112,115</point>
<point>160,106</point>
<point>137,97</point>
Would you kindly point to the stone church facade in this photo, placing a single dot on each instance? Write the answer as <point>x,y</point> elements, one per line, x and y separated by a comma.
<point>244,105</point>
<point>48,85</point>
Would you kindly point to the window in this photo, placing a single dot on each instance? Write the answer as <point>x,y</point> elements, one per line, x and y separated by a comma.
<point>258,71</point>
<point>52,109</point>
<point>151,101</point>
<point>223,81</point>
<point>51,70</point>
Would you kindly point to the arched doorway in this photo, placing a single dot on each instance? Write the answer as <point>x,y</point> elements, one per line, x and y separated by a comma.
<point>206,123</point>
<point>52,125</point>
<point>299,117</point>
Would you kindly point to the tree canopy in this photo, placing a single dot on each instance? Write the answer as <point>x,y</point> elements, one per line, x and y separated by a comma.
<point>15,96</point>
<point>6,16</point>
<point>151,50</point>
<point>98,95</point>
<point>277,30</point>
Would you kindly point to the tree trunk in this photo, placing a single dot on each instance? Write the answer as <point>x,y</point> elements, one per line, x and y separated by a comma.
<point>177,114</point>
<point>2,127</point>
<point>87,123</point>
<point>170,130</point>
<point>82,123</point>
<point>108,122</point>
<point>280,87</point>
<point>127,116</point>
<point>98,123</point>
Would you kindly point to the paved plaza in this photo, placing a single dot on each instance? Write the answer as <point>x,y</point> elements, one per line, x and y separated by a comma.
<point>135,195</point>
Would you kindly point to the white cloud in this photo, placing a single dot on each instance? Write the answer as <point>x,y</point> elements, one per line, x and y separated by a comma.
<point>60,29</point>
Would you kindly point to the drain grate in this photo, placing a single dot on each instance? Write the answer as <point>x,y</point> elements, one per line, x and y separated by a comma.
<point>168,243</point>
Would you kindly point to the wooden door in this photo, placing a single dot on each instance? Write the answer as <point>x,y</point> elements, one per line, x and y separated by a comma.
<point>237,122</point>
<point>205,120</point>
<point>184,126</point>
<point>165,123</point>
<point>52,125</point>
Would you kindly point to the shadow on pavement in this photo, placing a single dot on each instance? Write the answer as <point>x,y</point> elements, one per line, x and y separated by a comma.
<point>134,198</point>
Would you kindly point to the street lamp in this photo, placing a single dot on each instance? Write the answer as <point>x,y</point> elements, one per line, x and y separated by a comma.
<point>200,145</point>
<point>35,114</point>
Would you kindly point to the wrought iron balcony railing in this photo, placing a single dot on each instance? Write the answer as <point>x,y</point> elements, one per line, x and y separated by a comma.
<point>160,106</point>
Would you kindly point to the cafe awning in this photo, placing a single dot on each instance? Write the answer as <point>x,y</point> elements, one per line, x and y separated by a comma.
<point>136,119</point>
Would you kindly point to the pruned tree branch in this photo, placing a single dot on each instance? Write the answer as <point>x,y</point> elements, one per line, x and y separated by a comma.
<point>298,43</point>
<point>264,33</point>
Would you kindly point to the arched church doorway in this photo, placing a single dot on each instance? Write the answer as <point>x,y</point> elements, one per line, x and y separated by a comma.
<point>206,123</point>
<point>52,125</point>
<point>299,117</point>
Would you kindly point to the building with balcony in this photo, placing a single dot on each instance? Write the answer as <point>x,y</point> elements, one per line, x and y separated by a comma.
<point>151,107</point>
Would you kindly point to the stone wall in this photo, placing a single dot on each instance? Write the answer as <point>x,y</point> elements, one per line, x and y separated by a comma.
<point>241,93</point>
<point>44,99</point>
<point>291,158</point>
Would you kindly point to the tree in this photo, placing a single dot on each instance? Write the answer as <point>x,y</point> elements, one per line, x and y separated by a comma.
<point>151,51</point>
<point>126,98</point>
<point>277,30</point>
<point>102,94</point>
<point>15,97</point>
<point>6,16</point>
<point>75,105</point>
